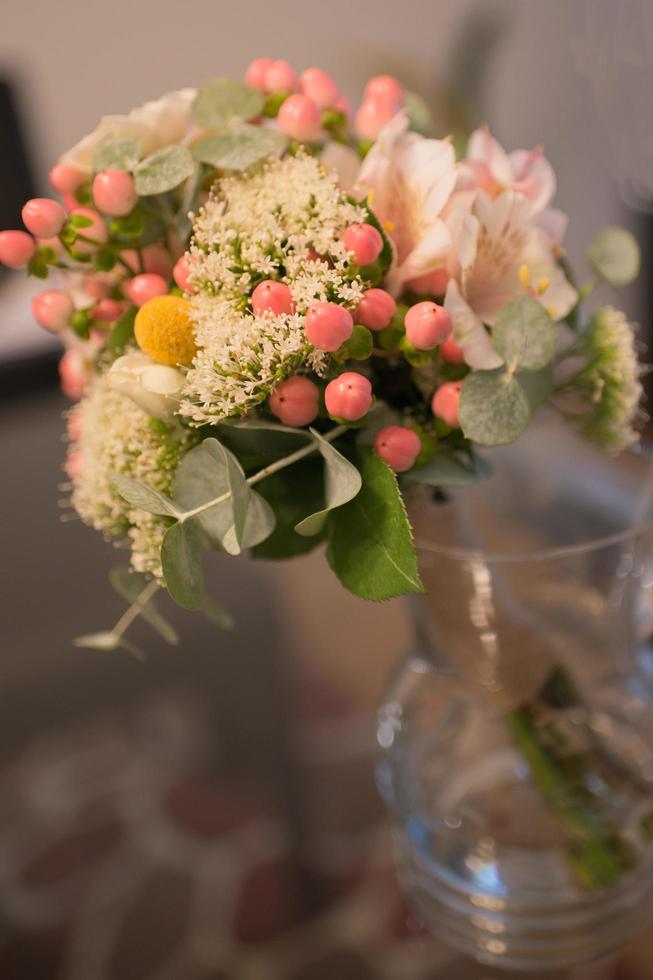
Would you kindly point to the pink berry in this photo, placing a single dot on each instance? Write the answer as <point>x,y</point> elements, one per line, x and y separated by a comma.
<point>279,77</point>
<point>398,446</point>
<point>53,309</point>
<point>434,283</point>
<point>375,309</point>
<point>364,241</point>
<point>348,396</point>
<point>72,374</point>
<point>96,286</point>
<point>108,310</point>
<point>255,74</point>
<point>181,272</point>
<point>70,202</point>
<point>295,401</point>
<point>145,287</point>
<point>427,325</point>
<point>300,119</point>
<point>373,115</point>
<point>446,401</point>
<point>320,87</point>
<point>385,87</point>
<point>43,217</point>
<point>66,179</point>
<point>114,192</point>
<point>273,297</point>
<point>343,105</point>
<point>16,248</point>
<point>75,424</point>
<point>451,352</point>
<point>97,231</point>
<point>74,465</point>
<point>328,325</point>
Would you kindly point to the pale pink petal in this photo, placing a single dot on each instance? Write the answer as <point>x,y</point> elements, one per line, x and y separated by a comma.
<point>469,332</point>
<point>429,253</point>
<point>554,222</point>
<point>483,146</point>
<point>533,176</point>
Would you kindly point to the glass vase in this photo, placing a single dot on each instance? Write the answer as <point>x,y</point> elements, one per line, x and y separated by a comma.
<point>517,738</point>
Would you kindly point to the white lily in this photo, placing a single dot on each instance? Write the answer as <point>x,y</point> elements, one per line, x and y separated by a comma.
<point>501,254</point>
<point>156,388</point>
<point>410,179</point>
<point>155,124</point>
<point>489,167</point>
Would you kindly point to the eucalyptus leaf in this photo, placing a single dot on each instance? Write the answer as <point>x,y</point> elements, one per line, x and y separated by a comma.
<point>182,563</point>
<point>143,497</point>
<point>239,150</point>
<point>494,409</point>
<point>342,483</point>
<point>259,525</point>
<point>448,470</point>
<point>117,153</point>
<point>291,492</point>
<point>370,544</point>
<point>201,476</point>
<point>615,256</point>
<point>262,438</point>
<point>130,586</point>
<point>538,385</point>
<point>524,334</point>
<point>419,114</point>
<point>224,99</point>
<point>108,640</point>
<point>163,170</point>
<point>218,615</point>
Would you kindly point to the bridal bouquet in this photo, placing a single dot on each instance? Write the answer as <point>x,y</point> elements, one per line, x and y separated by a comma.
<point>273,309</point>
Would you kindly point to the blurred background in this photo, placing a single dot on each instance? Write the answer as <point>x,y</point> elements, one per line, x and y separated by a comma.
<point>211,814</point>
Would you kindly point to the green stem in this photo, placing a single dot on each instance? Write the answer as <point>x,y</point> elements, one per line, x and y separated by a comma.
<point>134,611</point>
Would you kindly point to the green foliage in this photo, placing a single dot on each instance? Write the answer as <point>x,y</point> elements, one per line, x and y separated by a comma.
<point>181,560</point>
<point>107,640</point>
<point>614,256</point>
<point>241,149</point>
<point>130,226</point>
<point>217,614</point>
<point>163,170</point>
<point>494,408</point>
<point>78,221</point>
<point>358,347</point>
<point>419,114</point>
<point>224,99</point>
<point>143,497</point>
<point>447,469</point>
<point>122,332</point>
<point>117,153</point>
<point>342,483</point>
<point>370,545</point>
<point>130,585</point>
<point>291,493</point>
<point>538,385</point>
<point>524,334</point>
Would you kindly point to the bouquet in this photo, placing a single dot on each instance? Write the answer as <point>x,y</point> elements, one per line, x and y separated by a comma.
<point>276,315</point>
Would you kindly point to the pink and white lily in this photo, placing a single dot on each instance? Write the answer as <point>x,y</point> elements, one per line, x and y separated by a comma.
<point>488,167</point>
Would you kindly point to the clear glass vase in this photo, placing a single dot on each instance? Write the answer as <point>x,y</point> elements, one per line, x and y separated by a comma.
<point>517,739</point>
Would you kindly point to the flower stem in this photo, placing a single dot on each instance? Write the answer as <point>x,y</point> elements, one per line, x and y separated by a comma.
<point>134,611</point>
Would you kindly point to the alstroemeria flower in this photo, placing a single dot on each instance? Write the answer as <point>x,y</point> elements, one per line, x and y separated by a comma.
<point>155,124</point>
<point>501,254</point>
<point>411,179</point>
<point>489,167</point>
<point>154,387</point>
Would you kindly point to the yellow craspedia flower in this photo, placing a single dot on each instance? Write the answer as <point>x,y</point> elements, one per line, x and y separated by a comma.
<point>164,329</point>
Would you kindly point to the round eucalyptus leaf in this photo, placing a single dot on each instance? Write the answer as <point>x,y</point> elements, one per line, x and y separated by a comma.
<point>524,334</point>
<point>239,150</point>
<point>117,153</point>
<point>224,99</point>
<point>494,408</point>
<point>615,257</point>
<point>163,170</point>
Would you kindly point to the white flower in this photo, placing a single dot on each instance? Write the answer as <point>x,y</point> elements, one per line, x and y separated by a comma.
<point>155,124</point>
<point>411,179</point>
<point>500,254</point>
<point>155,388</point>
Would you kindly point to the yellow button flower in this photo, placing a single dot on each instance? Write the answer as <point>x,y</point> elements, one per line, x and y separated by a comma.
<point>164,329</point>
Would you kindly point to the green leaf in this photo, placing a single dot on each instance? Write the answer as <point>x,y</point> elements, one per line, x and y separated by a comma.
<point>79,221</point>
<point>217,614</point>
<point>259,443</point>
<point>448,470</point>
<point>291,492</point>
<point>615,256</point>
<point>494,409</point>
<point>130,226</point>
<point>359,346</point>
<point>342,483</point>
<point>524,334</point>
<point>163,170</point>
<point>107,641</point>
<point>130,586</point>
<point>181,560</point>
<point>259,525</point>
<point>239,150</point>
<point>419,114</point>
<point>370,545</point>
<point>143,497</point>
<point>224,99</point>
<point>122,332</point>
<point>538,385</point>
<point>117,153</point>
